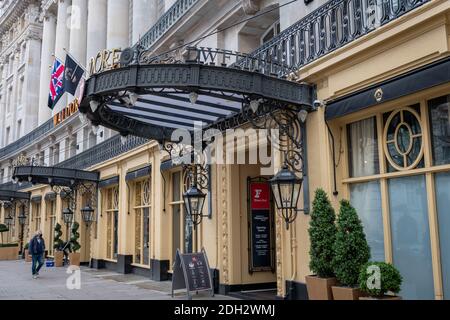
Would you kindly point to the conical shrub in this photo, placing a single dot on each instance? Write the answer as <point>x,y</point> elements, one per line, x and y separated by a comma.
<point>322,234</point>
<point>351,250</point>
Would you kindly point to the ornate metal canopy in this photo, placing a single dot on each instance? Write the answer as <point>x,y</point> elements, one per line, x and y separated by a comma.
<point>13,199</point>
<point>65,182</point>
<point>151,97</point>
<point>63,177</point>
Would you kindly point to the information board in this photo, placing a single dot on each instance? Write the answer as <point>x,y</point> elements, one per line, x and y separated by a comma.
<point>191,272</point>
<point>260,227</point>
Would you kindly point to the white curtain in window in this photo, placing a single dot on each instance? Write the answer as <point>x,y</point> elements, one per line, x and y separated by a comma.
<point>363,148</point>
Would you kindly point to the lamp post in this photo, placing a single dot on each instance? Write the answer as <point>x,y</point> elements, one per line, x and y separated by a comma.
<point>68,219</point>
<point>87,213</point>
<point>22,221</point>
<point>286,188</point>
<point>9,221</point>
<point>194,199</point>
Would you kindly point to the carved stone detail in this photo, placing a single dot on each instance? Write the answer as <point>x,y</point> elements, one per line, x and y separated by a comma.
<point>251,7</point>
<point>225,234</point>
<point>279,255</point>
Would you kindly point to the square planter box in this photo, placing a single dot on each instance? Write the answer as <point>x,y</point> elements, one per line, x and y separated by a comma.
<point>9,253</point>
<point>27,256</point>
<point>74,259</point>
<point>59,258</point>
<point>394,298</point>
<point>346,293</point>
<point>320,288</point>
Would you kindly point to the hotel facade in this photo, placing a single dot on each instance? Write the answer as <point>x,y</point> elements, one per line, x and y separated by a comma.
<point>373,76</point>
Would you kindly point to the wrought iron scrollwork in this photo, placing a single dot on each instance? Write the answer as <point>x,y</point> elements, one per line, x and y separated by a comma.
<point>285,128</point>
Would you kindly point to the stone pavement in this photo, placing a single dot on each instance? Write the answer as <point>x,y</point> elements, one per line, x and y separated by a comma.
<point>16,283</point>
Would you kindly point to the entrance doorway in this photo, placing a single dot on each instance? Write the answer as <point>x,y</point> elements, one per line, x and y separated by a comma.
<point>257,235</point>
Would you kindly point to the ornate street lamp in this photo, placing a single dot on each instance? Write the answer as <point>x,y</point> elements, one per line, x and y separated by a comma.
<point>87,213</point>
<point>22,219</point>
<point>286,188</point>
<point>67,216</point>
<point>194,199</point>
<point>9,221</point>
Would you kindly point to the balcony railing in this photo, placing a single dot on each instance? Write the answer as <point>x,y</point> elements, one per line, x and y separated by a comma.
<point>28,139</point>
<point>330,27</point>
<point>102,152</point>
<point>167,20</point>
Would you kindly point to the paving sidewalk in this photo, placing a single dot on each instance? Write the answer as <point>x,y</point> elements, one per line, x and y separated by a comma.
<point>16,283</point>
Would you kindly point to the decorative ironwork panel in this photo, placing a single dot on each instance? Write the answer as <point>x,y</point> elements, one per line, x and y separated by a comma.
<point>330,27</point>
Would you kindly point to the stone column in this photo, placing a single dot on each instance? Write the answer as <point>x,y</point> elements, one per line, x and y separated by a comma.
<point>118,24</point>
<point>97,24</point>
<point>117,36</point>
<point>3,92</point>
<point>62,41</point>
<point>145,14</point>
<point>48,49</point>
<point>78,30</point>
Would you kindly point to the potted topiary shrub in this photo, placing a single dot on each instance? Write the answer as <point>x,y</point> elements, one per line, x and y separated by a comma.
<point>380,281</point>
<point>27,252</point>
<point>74,256</point>
<point>322,234</point>
<point>351,252</point>
<point>3,229</point>
<point>58,246</point>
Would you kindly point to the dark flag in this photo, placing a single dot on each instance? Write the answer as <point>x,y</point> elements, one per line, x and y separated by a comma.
<point>56,84</point>
<point>72,75</point>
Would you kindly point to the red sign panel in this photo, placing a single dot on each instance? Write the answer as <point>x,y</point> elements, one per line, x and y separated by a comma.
<point>260,196</point>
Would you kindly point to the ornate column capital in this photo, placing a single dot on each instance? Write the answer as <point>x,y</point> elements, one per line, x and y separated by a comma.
<point>251,7</point>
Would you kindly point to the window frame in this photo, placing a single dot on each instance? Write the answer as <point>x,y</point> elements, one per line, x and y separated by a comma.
<point>428,171</point>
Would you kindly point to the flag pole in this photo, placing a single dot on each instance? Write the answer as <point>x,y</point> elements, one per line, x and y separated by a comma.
<point>78,62</point>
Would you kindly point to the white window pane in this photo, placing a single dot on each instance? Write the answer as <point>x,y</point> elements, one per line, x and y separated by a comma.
<point>443,205</point>
<point>411,236</point>
<point>363,148</point>
<point>366,199</point>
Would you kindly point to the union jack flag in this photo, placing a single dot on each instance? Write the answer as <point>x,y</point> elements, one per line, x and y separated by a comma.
<point>56,84</point>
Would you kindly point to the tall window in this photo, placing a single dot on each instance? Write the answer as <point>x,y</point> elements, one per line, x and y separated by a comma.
<point>36,217</point>
<point>272,32</point>
<point>183,237</point>
<point>20,90</point>
<point>142,210</point>
<point>398,182</point>
<point>51,220</point>
<point>111,205</point>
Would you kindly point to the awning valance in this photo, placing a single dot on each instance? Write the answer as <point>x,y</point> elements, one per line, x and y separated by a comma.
<point>108,182</point>
<point>426,77</point>
<point>8,195</point>
<point>136,174</point>
<point>63,177</point>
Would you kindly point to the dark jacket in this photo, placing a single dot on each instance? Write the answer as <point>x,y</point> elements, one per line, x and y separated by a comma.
<point>36,248</point>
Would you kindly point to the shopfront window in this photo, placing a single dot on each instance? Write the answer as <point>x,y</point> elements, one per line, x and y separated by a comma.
<point>440,125</point>
<point>142,208</point>
<point>366,199</point>
<point>363,148</point>
<point>397,192</point>
<point>182,226</point>
<point>443,205</point>
<point>111,205</point>
<point>411,236</point>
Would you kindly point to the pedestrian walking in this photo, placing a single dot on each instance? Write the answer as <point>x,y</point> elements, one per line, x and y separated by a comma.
<point>37,249</point>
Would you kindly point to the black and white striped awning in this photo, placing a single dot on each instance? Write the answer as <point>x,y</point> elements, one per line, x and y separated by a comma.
<point>153,100</point>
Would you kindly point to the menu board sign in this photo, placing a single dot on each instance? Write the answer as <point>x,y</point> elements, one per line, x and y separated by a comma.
<point>260,215</point>
<point>191,272</point>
